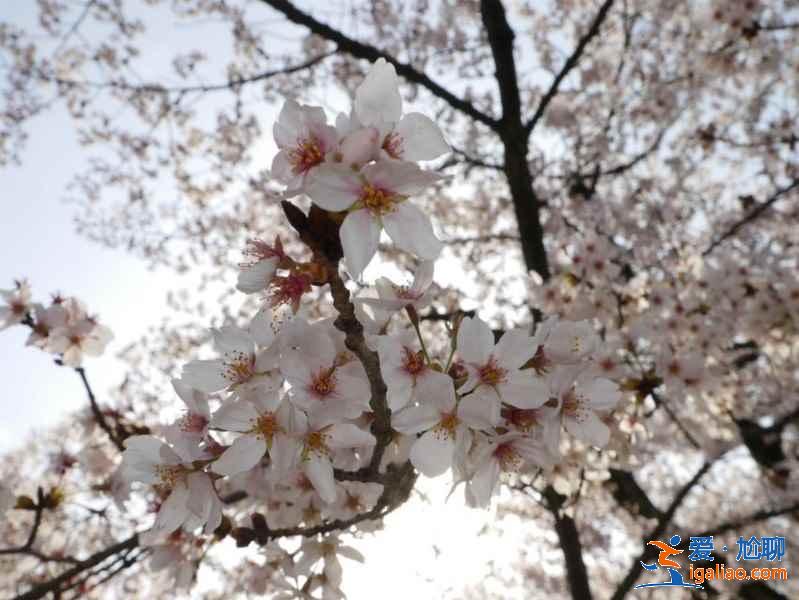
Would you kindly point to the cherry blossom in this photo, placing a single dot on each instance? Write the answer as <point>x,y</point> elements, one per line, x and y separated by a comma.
<point>376,198</point>
<point>239,367</point>
<point>266,422</point>
<point>190,498</point>
<point>494,374</point>
<point>304,138</point>
<point>17,304</point>
<point>445,427</point>
<point>378,103</point>
<point>393,297</point>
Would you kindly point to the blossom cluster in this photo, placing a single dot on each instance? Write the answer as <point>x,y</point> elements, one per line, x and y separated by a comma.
<point>285,410</point>
<point>64,327</point>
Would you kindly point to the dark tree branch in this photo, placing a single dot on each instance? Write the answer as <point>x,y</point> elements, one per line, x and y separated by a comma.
<point>630,495</point>
<point>58,584</point>
<point>228,85</point>
<point>570,63</point>
<point>515,138</point>
<point>97,413</point>
<point>665,519</point>
<point>753,215</point>
<point>569,538</point>
<point>371,53</point>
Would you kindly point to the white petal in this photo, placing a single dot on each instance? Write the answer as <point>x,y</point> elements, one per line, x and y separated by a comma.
<point>289,126</point>
<point>377,99</point>
<point>514,348</point>
<point>432,453</point>
<point>602,394</point>
<point>411,231</point>
<point>481,487</point>
<point>320,473</point>
<point>423,278</point>
<point>588,428</point>
<point>242,455</point>
<point>205,375</point>
<point>398,176</point>
<point>233,339</point>
<point>256,277</point>
<point>173,511</point>
<point>260,328</point>
<point>333,187</point>
<point>359,147</point>
<point>360,236</point>
<point>523,389</point>
<point>235,415</point>
<point>284,453</point>
<point>346,435</point>
<point>480,409</point>
<point>415,419</point>
<point>421,138</point>
<point>475,340</point>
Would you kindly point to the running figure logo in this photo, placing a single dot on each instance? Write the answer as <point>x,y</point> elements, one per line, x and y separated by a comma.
<point>667,550</point>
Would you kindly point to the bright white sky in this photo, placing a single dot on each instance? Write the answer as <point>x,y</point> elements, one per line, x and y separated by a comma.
<point>39,243</point>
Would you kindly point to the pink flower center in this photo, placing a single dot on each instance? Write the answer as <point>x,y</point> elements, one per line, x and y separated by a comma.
<point>193,423</point>
<point>169,475</point>
<point>239,367</point>
<point>572,404</point>
<point>324,383</point>
<point>306,155</point>
<point>446,426</point>
<point>266,426</point>
<point>316,442</point>
<point>413,362</point>
<point>377,200</point>
<point>288,289</point>
<point>393,146</point>
<point>508,458</point>
<point>492,374</point>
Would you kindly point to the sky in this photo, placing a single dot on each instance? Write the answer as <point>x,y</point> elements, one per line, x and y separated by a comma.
<point>427,548</point>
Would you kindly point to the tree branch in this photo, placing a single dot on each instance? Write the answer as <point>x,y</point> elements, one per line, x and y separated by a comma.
<point>753,215</point>
<point>230,84</point>
<point>569,538</point>
<point>98,414</point>
<point>56,585</point>
<point>515,138</point>
<point>371,53</point>
<point>570,63</point>
<point>632,575</point>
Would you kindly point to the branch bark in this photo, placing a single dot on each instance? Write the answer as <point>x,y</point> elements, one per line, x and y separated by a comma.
<point>569,538</point>
<point>515,139</point>
<point>371,53</point>
<point>570,63</point>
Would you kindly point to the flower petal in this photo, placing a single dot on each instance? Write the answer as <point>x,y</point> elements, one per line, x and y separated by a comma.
<point>360,236</point>
<point>320,473</point>
<point>411,231</point>
<point>432,453</point>
<point>523,389</point>
<point>421,138</point>
<point>333,187</point>
<point>514,348</point>
<point>475,340</point>
<point>377,99</point>
<point>242,455</point>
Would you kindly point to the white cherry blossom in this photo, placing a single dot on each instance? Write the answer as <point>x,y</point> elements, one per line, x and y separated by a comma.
<point>304,139</point>
<point>378,104</point>
<point>494,374</point>
<point>376,198</point>
<point>444,425</point>
<point>191,499</point>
